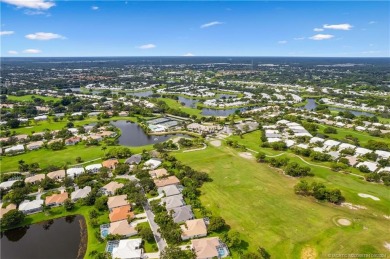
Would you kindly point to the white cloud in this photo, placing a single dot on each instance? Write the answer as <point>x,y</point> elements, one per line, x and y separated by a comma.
<point>33,4</point>
<point>12,52</point>
<point>282,42</point>
<point>95,8</point>
<point>371,52</point>
<point>318,29</point>
<point>34,12</point>
<point>210,24</point>
<point>372,22</point>
<point>6,32</point>
<point>147,46</point>
<point>32,51</point>
<point>44,36</point>
<point>321,37</point>
<point>343,26</point>
<point>189,54</point>
<point>299,38</point>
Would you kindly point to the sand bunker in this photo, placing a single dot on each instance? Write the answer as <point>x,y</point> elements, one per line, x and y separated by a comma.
<point>387,246</point>
<point>308,253</point>
<point>352,206</point>
<point>246,155</point>
<point>363,195</point>
<point>344,222</point>
<point>216,143</point>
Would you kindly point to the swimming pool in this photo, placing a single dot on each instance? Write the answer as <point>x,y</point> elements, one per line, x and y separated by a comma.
<point>104,232</point>
<point>221,252</point>
<point>111,245</point>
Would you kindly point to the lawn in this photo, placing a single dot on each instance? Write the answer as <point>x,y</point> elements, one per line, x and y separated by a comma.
<point>45,157</point>
<point>28,98</point>
<point>259,202</point>
<point>363,137</point>
<point>177,105</point>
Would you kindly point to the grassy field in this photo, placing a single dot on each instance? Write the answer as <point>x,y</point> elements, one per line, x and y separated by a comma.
<point>45,157</point>
<point>362,136</point>
<point>28,98</point>
<point>259,202</point>
<point>177,105</point>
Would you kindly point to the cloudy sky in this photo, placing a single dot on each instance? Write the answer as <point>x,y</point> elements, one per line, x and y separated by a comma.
<point>249,28</point>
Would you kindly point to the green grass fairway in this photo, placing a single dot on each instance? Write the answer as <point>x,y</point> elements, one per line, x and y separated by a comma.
<point>28,98</point>
<point>177,105</point>
<point>259,202</point>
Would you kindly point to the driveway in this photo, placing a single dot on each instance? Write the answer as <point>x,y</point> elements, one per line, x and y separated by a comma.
<point>161,244</point>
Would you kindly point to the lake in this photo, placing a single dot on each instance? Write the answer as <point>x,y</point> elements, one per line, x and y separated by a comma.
<point>133,135</point>
<point>191,103</point>
<point>224,112</point>
<point>62,238</point>
<point>141,93</point>
<point>311,105</point>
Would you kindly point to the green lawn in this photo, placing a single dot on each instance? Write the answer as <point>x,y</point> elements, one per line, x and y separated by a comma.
<point>259,202</point>
<point>45,157</point>
<point>177,105</point>
<point>28,98</point>
<point>362,136</point>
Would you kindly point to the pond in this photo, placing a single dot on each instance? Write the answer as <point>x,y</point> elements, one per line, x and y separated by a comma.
<point>191,103</point>
<point>141,94</point>
<point>58,238</point>
<point>133,135</point>
<point>311,105</point>
<point>224,112</point>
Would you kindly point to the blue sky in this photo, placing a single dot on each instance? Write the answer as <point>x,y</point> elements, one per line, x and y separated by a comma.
<point>199,28</point>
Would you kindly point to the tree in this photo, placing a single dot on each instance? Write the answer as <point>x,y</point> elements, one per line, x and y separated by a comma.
<point>11,219</point>
<point>302,188</point>
<point>146,233</point>
<point>174,252</point>
<point>23,167</point>
<point>364,169</point>
<point>216,224</point>
<point>101,203</point>
<point>121,169</point>
<point>79,159</point>
<point>68,204</point>
<point>330,130</point>
<point>232,239</point>
<point>263,253</point>
<point>260,157</point>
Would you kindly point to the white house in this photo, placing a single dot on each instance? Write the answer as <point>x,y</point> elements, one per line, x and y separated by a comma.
<point>94,168</point>
<point>75,171</point>
<point>8,184</point>
<point>382,154</point>
<point>152,164</point>
<point>346,146</point>
<point>29,207</point>
<point>372,166</point>
<point>128,249</point>
<point>80,193</point>
<point>40,118</point>
<point>360,151</point>
<point>316,139</point>
<point>331,143</point>
<point>15,149</point>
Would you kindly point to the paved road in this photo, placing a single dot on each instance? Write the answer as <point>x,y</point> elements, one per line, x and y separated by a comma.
<point>153,225</point>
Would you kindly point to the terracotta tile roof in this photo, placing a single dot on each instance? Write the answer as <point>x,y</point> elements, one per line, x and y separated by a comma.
<point>206,247</point>
<point>117,201</point>
<point>158,173</point>
<point>111,163</point>
<point>122,228</point>
<point>121,213</point>
<point>166,181</point>
<point>195,227</point>
<point>56,198</point>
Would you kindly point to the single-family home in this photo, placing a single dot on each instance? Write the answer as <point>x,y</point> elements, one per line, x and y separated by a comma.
<point>334,154</point>
<point>110,163</point>
<point>330,143</point>
<point>21,137</point>
<point>14,149</point>
<point>56,199</point>
<point>166,181</point>
<point>352,160</point>
<point>9,207</point>
<point>121,213</point>
<point>158,173</point>
<point>94,168</point>
<point>194,228</point>
<point>122,228</point>
<point>111,187</point>
<point>72,141</point>
<point>211,247</point>
<point>29,207</point>
<point>7,184</point>
<point>35,178</point>
<point>57,175</point>
<point>382,154</point>
<point>173,201</point>
<point>40,118</point>
<point>128,249</point>
<point>372,166</point>
<point>169,190</point>
<point>346,146</point>
<point>360,151</point>
<point>152,164</point>
<point>74,171</point>
<point>117,201</point>
<point>183,213</point>
<point>35,145</point>
<point>134,159</point>
<point>80,193</point>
